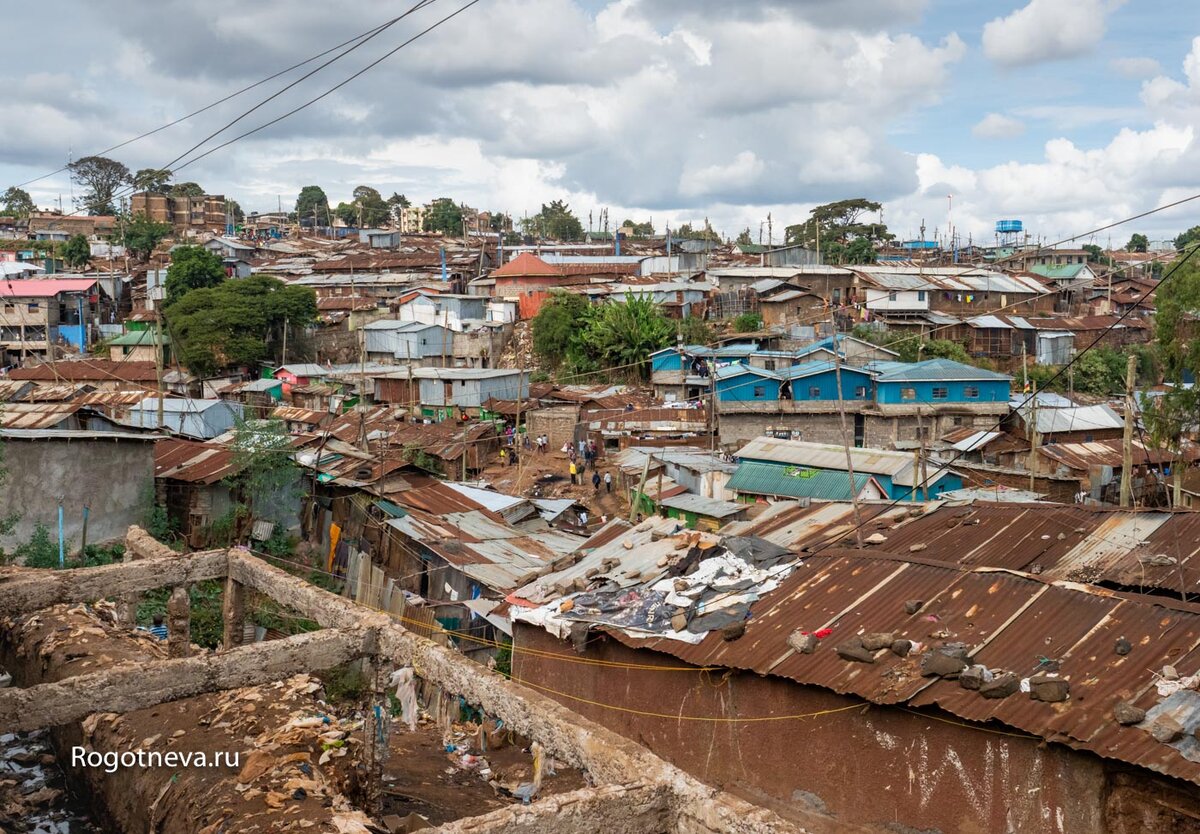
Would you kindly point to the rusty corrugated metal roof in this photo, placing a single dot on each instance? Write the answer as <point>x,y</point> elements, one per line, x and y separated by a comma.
<point>24,415</point>
<point>1008,621</point>
<point>1141,549</point>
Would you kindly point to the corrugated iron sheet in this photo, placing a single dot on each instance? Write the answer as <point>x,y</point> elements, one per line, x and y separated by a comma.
<point>35,415</point>
<point>1009,623</point>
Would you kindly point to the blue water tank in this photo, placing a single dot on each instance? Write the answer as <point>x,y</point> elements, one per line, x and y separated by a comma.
<point>1009,226</point>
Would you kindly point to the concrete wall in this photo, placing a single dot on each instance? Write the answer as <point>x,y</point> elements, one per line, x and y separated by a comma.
<point>873,769</point>
<point>878,432</point>
<point>111,477</point>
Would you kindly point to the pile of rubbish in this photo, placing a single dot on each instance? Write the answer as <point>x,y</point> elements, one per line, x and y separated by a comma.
<point>33,793</point>
<point>701,583</point>
<point>466,747</point>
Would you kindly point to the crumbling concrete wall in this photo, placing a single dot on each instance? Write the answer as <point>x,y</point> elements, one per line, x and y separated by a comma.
<point>111,477</point>
<point>611,809</point>
<point>141,545</point>
<point>263,726</point>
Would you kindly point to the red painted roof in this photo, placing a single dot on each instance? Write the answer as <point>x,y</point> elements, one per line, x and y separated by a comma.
<point>525,265</point>
<point>44,287</point>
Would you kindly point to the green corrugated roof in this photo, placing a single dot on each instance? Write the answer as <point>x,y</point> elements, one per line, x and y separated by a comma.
<point>795,482</point>
<point>1057,270</point>
<point>139,337</point>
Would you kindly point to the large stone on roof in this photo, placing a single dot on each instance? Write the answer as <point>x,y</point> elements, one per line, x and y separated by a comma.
<point>1049,689</point>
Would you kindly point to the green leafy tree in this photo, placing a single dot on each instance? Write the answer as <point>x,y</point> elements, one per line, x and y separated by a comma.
<point>556,328</point>
<point>235,209</point>
<point>347,213</point>
<point>743,238</point>
<point>639,229</point>
<point>839,224</point>
<point>557,222</point>
<point>1176,327</point>
<point>17,203</point>
<point>192,268</point>
<point>686,232</point>
<point>152,180</point>
<point>76,252</point>
<point>623,335</point>
<point>265,475</point>
<point>444,216</point>
<point>187,189</point>
<point>1186,239</point>
<point>861,251</point>
<point>140,235</point>
<point>398,201</point>
<point>237,322</point>
<point>1138,243</point>
<point>312,204</point>
<point>747,323</point>
<point>99,178</point>
<point>694,331</point>
<point>372,208</point>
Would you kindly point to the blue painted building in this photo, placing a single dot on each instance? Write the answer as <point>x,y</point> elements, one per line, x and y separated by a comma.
<point>937,381</point>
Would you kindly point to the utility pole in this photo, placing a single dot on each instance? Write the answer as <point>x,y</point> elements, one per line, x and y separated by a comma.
<point>283,356</point>
<point>837,372</point>
<point>158,358</point>
<point>1033,441</point>
<point>1127,445</point>
<point>633,499</point>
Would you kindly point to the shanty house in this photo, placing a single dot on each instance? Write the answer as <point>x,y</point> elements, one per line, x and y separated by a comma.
<point>895,472</point>
<point>37,314</point>
<point>200,419</point>
<point>409,342</point>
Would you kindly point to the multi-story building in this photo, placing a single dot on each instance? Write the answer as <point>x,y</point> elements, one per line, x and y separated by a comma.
<point>203,213</point>
<point>412,219</point>
<point>36,315</point>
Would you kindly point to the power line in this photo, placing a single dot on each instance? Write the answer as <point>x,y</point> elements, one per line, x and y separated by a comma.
<point>210,106</point>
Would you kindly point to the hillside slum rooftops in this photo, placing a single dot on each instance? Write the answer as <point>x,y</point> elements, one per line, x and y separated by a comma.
<point>897,465</point>
<point>950,279</point>
<point>931,370</point>
<point>1141,549</point>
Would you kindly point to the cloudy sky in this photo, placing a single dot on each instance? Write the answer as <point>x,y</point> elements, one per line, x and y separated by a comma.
<point>1064,113</point>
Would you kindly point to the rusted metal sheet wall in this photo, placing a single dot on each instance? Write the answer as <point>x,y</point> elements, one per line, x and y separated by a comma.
<point>869,766</point>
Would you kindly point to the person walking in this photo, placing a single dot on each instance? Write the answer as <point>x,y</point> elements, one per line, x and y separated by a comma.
<point>574,474</point>
<point>608,482</point>
<point>596,481</point>
<point>504,457</point>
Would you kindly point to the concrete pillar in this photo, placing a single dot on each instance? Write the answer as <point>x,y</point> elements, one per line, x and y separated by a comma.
<point>376,728</point>
<point>233,613</point>
<point>179,625</point>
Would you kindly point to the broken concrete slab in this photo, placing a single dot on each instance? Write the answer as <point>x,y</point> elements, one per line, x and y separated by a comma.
<point>941,663</point>
<point>803,643</point>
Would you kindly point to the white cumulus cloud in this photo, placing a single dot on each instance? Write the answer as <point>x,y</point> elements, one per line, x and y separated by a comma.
<point>1047,30</point>
<point>998,126</point>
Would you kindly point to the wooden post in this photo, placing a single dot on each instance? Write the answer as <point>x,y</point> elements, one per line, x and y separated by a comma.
<point>1033,441</point>
<point>233,614</point>
<point>633,499</point>
<point>179,626</point>
<point>377,724</point>
<point>837,372</point>
<point>1177,480</point>
<point>1127,445</point>
<point>158,355</point>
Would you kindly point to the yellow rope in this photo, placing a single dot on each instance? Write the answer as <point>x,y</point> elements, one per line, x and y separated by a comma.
<point>673,717</point>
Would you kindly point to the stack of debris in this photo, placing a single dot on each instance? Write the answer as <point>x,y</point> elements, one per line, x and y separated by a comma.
<point>657,579</point>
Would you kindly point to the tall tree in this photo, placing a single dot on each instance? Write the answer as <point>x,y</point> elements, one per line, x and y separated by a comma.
<point>187,189</point>
<point>17,203</point>
<point>398,201</point>
<point>622,335</point>
<point>1186,239</point>
<point>639,229</point>
<point>557,222</point>
<point>312,204</point>
<point>1138,243</point>
<point>444,216</point>
<point>99,177</point>
<point>743,238</point>
<point>76,252</point>
<point>840,224</point>
<point>347,213</point>
<point>152,180</point>
<point>235,208</point>
<point>556,327</point>
<point>237,322</point>
<point>265,472</point>
<point>192,268</point>
<point>140,235</point>
<point>371,207</point>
